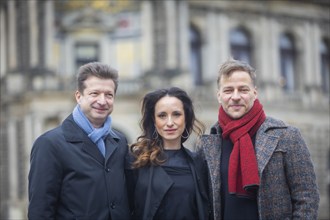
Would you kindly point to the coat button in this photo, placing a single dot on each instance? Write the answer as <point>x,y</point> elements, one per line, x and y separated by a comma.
<point>107,169</point>
<point>112,205</point>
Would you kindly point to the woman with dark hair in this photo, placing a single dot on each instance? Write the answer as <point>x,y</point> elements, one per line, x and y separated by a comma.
<point>169,182</point>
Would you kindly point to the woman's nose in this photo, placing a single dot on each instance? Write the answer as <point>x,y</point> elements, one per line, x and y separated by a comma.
<point>169,121</point>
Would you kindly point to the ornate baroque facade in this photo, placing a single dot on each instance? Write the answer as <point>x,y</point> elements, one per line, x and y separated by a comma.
<point>157,44</point>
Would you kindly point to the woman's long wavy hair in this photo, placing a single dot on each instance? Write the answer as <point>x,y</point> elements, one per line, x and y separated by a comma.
<point>149,146</point>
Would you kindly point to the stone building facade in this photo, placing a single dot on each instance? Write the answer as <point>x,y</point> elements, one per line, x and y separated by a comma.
<point>158,44</point>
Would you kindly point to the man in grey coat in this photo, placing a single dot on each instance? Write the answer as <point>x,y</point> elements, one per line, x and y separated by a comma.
<point>259,167</point>
<point>77,169</point>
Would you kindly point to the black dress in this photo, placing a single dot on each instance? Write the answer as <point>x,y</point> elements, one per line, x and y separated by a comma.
<point>179,202</point>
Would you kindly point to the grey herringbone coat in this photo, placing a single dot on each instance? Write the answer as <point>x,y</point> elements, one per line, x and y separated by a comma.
<point>288,188</point>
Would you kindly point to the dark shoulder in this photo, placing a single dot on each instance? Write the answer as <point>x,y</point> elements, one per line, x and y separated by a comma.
<point>194,155</point>
<point>50,135</point>
<point>274,122</point>
<point>189,152</point>
<point>119,134</point>
<point>278,128</point>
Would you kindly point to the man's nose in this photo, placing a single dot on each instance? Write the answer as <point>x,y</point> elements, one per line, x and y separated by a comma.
<point>101,99</point>
<point>236,95</point>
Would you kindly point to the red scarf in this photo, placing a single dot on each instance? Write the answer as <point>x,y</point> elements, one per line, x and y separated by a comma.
<point>243,168</point>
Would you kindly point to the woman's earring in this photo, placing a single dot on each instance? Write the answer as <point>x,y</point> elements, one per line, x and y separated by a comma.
<point>186,132</point>
<point>155,135</point>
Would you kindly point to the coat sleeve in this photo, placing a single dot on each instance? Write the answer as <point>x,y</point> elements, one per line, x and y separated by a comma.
<point>131,178</point>
<point>45,179</point>
<point>205,179</point>
<point>301,177</point>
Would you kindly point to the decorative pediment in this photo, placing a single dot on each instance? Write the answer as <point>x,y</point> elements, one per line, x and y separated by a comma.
<point>87,18</point>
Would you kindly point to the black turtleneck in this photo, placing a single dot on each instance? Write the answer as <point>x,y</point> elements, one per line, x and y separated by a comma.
<point>233,207</point>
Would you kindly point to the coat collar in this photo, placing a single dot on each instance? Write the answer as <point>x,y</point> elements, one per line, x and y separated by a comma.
<point>74,134</point>
<point>157,176</point>
<point>267,138</point>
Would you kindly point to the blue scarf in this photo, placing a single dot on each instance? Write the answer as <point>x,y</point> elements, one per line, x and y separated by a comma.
<point>97,135</point>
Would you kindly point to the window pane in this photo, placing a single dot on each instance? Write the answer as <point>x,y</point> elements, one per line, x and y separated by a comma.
<point>287,59</point>
<point>286,42</point>
<point>85,53</point>
<point>239,37</point>
<point>195,56</point>
<point>325,66</point>
<point>240,45</point>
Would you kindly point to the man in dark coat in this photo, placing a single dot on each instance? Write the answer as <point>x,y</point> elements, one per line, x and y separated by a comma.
<point>77,169</point>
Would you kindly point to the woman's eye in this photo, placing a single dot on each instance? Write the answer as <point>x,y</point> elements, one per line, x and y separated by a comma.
<point>177,114</point>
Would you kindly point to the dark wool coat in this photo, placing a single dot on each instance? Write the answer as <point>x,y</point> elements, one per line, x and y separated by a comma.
<point>160,183</point>
<point>70,179</point>
<point>288,188</point>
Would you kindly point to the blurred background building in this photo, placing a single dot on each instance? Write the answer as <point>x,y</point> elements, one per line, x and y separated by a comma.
<point>157,44</point>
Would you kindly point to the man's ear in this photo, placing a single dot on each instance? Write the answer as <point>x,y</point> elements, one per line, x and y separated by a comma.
<point>77,96</point>
<point>255,93</point>
<point>219,96</point>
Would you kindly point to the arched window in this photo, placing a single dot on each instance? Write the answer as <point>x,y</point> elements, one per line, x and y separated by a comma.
<point>287,59</point>
<point>240,45</point>
<point>325,65</point>
<point>86,52</point>
<point>196,55</point>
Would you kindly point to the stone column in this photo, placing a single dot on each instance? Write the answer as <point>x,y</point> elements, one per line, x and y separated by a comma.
<point>308,75</point>
<point>14,209</point>
<point>266,47</point>
<point>267,58</point>
<point>69,56</point>
<point>3,43</point>
<point>183,29</point>
<point>49,33</point>
<point>274,70</point>
<point>12,33</point>
<point>147,36</point>
<point>311,77</point>
<point>29,139</point>
<point>316,58</point>
<point>160,37</point>
<point>273,74</point>
<point>210,59</point>
<point>171,34</point>
<point>33,38</point>
<point>223,38</point>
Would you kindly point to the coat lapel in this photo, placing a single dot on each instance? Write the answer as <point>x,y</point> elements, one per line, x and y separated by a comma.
<point>111,145</point>
<point>73,133</point>
<point>194,167</point>
<point>90,148</point>
<point>211,145</point>
<point>160,181</point>
<point>212,149</point>
<point>266,142</point>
